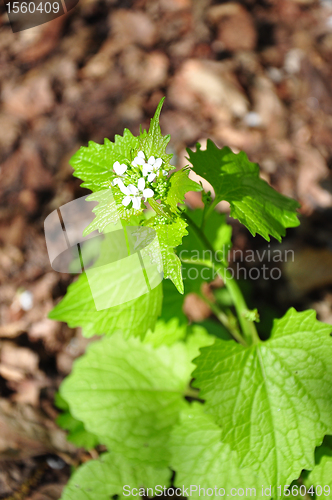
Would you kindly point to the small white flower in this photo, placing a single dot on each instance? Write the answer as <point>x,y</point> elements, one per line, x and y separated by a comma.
<point>152,167</point>
<point>122,187</point>
<point>135,194</point>
<point>139,160</point>
<point>120,170</point>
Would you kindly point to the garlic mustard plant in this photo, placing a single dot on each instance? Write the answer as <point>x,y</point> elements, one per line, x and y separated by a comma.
<point>207,408</point>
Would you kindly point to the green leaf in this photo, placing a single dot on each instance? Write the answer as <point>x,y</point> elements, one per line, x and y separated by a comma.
<point>127,264</point>
<point>154,143</point>
<point>217,231</point>
<point>197,338</point>
<point>166,333</point>
<point>200,458</point>
<point>219,234</point>
<point>321,475</point>
<point>179,185</point>
<point>170,234</point>
<point>107,211</point>
<point>77,434</point>
<point>253,202</point>
<point>94,164</point>
<point>135,317</point>
<point>172,324</point>
<point>273,399</point>
<point>172,304</point>
<point>130,394</point>
<point>112,475</point>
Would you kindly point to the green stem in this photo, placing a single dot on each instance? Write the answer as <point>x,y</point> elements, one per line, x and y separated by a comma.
<point>248,328</point>
<point>208,212</point>
<point>191,393</point>
<point>198,262</point>
<point>223,318</point>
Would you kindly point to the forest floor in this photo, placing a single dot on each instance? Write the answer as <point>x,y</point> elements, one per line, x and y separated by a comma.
<point>254,75</point>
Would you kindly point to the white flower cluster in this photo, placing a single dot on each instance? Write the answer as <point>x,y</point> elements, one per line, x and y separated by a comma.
<point>150,168</point>
<point>134,194</point>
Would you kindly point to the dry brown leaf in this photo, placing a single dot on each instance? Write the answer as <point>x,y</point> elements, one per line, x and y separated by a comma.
<point>47,492</point>
<point>233,19</point>
<point>131,26</point>
<point>26,432</point>
<point>207,82</point>
<point>30,98</point>
<point>46,39</point>
<point>21,358</point>
<point>12,330</point>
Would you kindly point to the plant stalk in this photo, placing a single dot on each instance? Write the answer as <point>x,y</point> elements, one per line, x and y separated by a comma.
<point>248,327</point>
<point>208,212</point>
<point>223,318</point>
